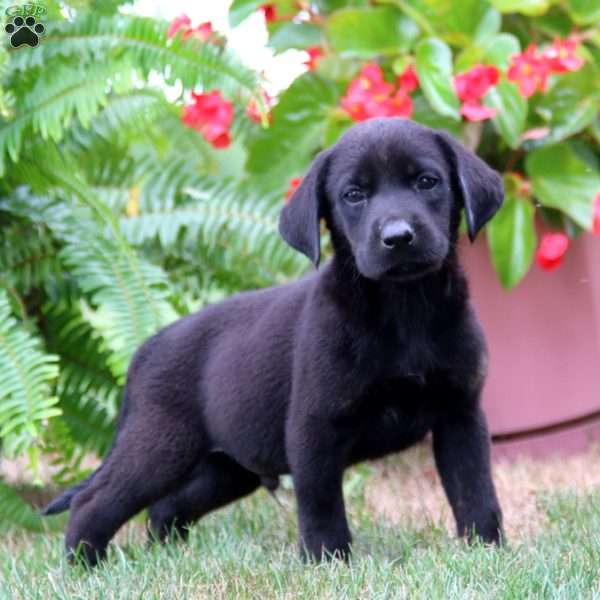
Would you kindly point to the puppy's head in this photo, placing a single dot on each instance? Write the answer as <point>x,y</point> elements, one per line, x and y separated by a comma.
<point>391,192</point>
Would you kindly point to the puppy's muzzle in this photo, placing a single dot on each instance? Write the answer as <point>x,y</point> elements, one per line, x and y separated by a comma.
<point>397,234</point>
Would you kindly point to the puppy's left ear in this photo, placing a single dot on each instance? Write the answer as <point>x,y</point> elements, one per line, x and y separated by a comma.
<point>299,218</point>
<point>481,187</point>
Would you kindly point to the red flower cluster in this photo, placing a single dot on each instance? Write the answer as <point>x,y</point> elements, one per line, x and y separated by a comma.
<point>369,95</point>
<point>551,250</point>
<point>202,32</point>
<point>252,110</point>
<point>314,54</point>
<point>471,86</point>
<point>530,69</point>
<point>294,184</point>
<point>211,115</point>
<point>596,221</point>
<point>561,56</point>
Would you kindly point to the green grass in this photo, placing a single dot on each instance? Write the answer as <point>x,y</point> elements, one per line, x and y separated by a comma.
<point>249,551</point>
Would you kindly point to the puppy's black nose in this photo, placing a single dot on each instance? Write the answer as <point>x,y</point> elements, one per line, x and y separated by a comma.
<point>397,233</point>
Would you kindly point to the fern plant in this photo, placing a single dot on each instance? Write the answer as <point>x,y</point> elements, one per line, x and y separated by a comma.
<point>115,219</point>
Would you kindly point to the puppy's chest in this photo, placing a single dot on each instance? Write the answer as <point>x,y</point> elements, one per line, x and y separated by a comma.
<point>400,351</point>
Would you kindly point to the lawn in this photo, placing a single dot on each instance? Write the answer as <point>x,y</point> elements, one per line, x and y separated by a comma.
<point>249,551</point>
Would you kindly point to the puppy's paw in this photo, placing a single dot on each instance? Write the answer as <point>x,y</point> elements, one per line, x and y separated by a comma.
<point>319,552</point>
<point>85,555</point>
<point>487,530</point>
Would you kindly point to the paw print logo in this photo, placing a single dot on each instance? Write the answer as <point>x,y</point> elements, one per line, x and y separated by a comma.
<point>24,31</point>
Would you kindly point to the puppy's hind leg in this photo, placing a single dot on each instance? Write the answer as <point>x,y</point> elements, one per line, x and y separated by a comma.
<point>149,460</point>
<point>216,481</point>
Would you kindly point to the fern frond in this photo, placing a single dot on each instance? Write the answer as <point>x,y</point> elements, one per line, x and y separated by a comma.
<point>89,424</point>
<point>28,256</point>
<point>55,99</point>
<point>93,38</point>
<point>14,510</point>
<point>84,372</point>
<point>26,376</point>
<point>163,180</point>
<point>222,217</point>
<point>124,115</point>
<point>130,295</point>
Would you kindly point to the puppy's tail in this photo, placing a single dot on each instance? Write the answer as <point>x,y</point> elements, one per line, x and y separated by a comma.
<point>63,502</point>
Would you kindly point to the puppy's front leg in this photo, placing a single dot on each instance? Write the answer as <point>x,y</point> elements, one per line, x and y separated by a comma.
<point>317,471</point>
<point>462,454</point>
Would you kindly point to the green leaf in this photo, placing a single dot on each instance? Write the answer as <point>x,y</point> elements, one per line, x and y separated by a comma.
<point>526,7</point>
<point>555,23</point>
<point>328,6</point>
<point>242,9</point>
<point>299,122</point>
<point>512,111</point>
<point>423,114</point>
<point>295,35</point>
<point>561,180</point>
<point>500,48</point>
<point>567,123</point>
<point>571,104</point>
<point>467,21</point>
<point>488,26</point>
<point>584,12</point>
<point>434,67</point>
<point>512,240</point>
<point>365,33</point>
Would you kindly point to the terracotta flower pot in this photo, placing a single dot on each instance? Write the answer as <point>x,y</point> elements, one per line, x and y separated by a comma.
<point>543,389</point>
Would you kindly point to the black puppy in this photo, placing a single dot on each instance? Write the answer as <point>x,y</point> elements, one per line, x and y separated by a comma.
<point>360,359</point>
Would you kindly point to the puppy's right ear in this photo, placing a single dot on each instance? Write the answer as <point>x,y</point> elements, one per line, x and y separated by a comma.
<point>480,186</point>
<point>299,219</point>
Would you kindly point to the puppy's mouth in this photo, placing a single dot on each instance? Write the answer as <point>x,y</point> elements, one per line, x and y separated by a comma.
<point>407,271</point>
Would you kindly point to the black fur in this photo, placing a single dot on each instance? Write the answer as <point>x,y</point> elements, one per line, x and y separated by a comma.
<point>360,359</point>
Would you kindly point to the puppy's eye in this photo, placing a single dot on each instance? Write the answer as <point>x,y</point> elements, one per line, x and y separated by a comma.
<point>354,196</point>
<point>426,182</point>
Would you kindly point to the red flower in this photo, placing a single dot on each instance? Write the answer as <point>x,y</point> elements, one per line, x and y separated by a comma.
<point>476,111</point>
<point>294,184</point>
<point>180,22</point>
<point>561,55</point>
<point>529,71</point>
<point>475,83</point>
<point>399,105</point>
<point>471,86</point>
<point>270,12</point>
<point>408,80</point>
<point>314,54</point>
<point>211,115</point>
<point>369,95</point>
<point>252,110</point>
<point>551,250</point>
<point>596,222</point>
<point>203,32</point>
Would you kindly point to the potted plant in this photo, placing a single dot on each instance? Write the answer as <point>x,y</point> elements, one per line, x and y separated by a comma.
<point>519,83</point>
